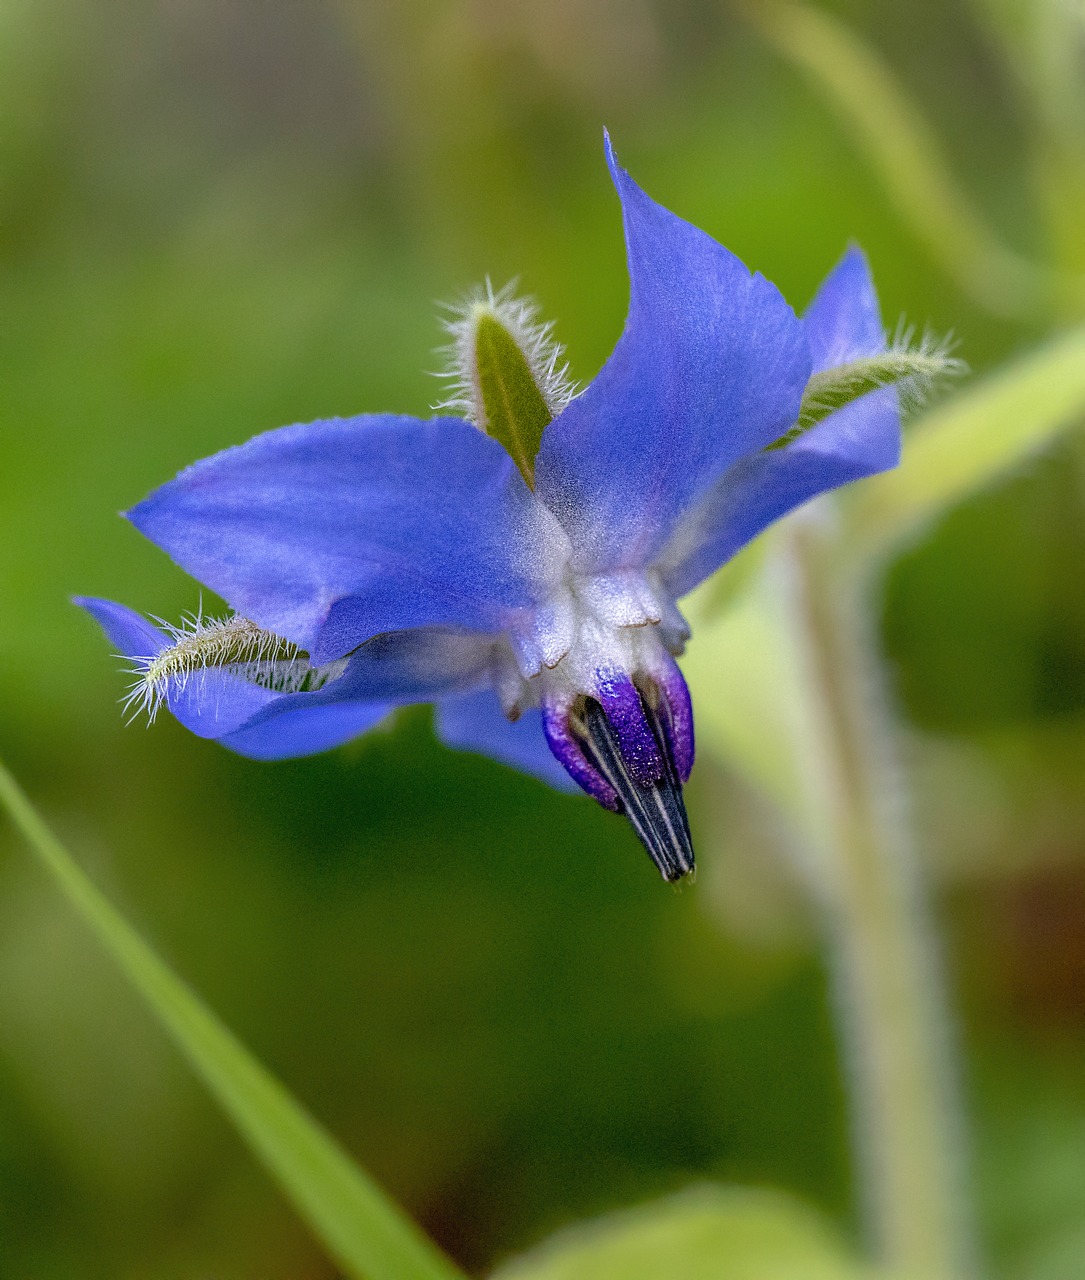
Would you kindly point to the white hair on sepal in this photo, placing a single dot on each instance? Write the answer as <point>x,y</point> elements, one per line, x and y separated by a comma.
<point>535,338</point>
<point>924,364</point>
<point>233,645</point>
<point>912,368</point>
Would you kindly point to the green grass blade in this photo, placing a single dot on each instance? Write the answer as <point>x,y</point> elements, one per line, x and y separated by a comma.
<point>367,1235</point>
<point>908,159</point>
<point>971,440</point>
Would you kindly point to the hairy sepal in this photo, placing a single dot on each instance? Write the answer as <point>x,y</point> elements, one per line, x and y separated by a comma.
<point>912,372</point>
<point>514,408</point>
<point>506,372</point>
<point>235,646</point>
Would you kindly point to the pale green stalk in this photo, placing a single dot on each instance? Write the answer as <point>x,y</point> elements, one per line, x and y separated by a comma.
<point>362,1230</point>
<point>906,155</point>
<point>788,691</point>
<point>973,439</point>
<point>906,1114</point>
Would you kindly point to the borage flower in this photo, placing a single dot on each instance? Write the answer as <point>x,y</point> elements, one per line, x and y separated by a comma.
<point>519,564</point>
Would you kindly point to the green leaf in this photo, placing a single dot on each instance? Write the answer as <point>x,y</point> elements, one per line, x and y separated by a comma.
<point>904,153</point>
<point>706,1233</point>
<point>367,1235</point>
<point>971,440</point>
<point>514,407</point>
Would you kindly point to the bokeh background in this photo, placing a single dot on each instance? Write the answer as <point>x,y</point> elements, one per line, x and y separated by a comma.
<point>220,216</point>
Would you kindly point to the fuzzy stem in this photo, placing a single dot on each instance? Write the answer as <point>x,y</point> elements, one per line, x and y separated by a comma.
<point>895,1021</point>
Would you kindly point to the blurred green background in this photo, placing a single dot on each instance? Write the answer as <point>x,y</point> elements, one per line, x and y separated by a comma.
<point>220,217</point>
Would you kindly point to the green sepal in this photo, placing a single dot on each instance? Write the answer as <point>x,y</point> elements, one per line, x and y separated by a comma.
<point>831,389</point>
<point>974,439</point>
<point>515,411</point>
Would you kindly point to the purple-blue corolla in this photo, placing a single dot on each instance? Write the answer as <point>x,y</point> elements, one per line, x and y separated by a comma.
<point>381,560</point>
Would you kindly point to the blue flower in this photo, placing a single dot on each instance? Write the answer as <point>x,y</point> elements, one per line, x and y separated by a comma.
<point>382,560</point>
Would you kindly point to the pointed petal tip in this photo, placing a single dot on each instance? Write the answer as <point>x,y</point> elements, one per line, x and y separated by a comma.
<point>128,631</point>
<point>137,514</point>
<point>98,607</point>
<point>843,320</point>
<point>850,275</point>
<point>618,175</point>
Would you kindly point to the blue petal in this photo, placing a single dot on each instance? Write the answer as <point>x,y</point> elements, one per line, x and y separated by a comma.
<point>475,722</point>
<point>214,703</point>
<point>844,321</point>
<point>381,522</point>
<point>304,730</point>
<point>862,438</point>
<point>130,634</point>
<point>711,367</point>
<point>389,671</point>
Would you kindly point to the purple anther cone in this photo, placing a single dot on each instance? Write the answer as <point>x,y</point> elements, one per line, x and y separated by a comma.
<point>630,746</point>
<point>567,748</point>
<point>624,710</point>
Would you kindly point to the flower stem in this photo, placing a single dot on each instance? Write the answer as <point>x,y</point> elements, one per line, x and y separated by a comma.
<point>895,1021</point>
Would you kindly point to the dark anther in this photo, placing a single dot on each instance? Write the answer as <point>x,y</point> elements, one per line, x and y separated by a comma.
<point>656,811</point>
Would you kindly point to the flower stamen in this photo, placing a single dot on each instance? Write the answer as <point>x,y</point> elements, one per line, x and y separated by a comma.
<point>655,809</point>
